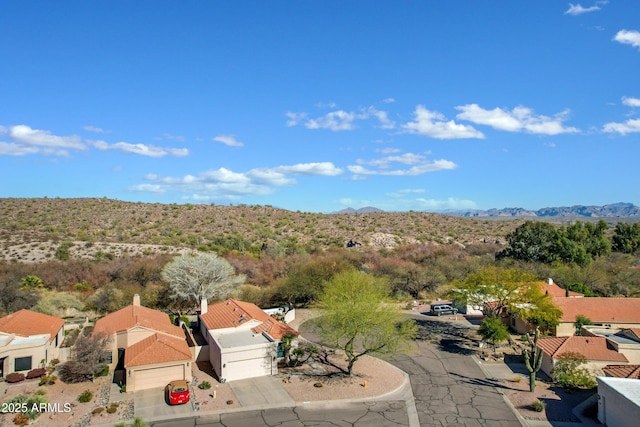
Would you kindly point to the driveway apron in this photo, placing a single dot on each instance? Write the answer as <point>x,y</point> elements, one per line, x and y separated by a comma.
<point>261,391</point>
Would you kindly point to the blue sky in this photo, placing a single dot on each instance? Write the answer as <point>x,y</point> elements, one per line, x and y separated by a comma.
<point>320,105</point>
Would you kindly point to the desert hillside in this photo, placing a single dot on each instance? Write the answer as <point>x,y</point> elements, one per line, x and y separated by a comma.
<point>32,229</point>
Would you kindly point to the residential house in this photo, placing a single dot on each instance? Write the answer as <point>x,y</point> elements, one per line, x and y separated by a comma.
<point>621,340</point>
<point>243,340</point>
<point>148,351</point>
<point>28,340</point>
<point>618,402</point>
<point>608,312</point>
<point>597,351</point>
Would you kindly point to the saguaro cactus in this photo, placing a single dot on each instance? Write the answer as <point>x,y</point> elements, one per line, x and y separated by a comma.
<point>532,358</point>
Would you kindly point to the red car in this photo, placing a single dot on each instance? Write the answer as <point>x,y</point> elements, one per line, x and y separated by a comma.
<point>178,392</point>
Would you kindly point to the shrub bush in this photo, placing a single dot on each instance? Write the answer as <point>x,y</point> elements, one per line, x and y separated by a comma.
<point>112,408</point>
<point>41,391</point>
<point>97,410</point>
<point>48,379</point>
<point>21,419</point>
<point>36,373</point>
<point>85,396</point>
<point>103,371</point>
<point>538,405</point>
<point>14,377</point>
<point>204,385</point>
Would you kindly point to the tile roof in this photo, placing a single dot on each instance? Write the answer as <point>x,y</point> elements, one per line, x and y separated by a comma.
<point>600,310</point>
<point>593,348</point>
<point>622,371</point>
<point>26,323</point>
<point>232,313</point>
<point>136,315</point>
<point>157,348</point>
<point>556,291</point>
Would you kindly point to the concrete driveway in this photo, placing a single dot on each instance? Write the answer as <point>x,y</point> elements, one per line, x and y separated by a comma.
<point>152,403</point>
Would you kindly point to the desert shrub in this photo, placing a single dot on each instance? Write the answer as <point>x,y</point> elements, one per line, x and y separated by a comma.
<point>48,379</point>
<point>14,377</point>
<point>85,396</point>
<point>41,391</point>
<point>103,371</point>
<point>204,385</point>
<point>21,419</point>
<point>112,408</point>
<point>36,373</point>
<point>569,374</point>
<point>538,405</point>
<point>97,410</point>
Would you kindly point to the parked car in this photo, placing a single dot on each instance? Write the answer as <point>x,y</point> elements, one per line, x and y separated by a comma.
<point>440,309</point>
<point>178,392</point>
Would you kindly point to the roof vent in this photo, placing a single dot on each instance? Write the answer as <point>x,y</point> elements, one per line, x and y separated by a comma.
<point>241,319</point>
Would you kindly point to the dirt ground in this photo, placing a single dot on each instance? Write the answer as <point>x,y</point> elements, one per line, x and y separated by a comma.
<point>65,410</point>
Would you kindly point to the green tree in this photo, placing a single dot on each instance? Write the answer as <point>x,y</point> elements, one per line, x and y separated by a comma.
<point>357,321</point>
<point>626,238</point>
<point>533,241</point>
<point>494,331</point>
<point>194,277</point>
<point>495,290</point>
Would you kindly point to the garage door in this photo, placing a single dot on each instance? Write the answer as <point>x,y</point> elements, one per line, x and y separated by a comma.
<point>249,368</point>
<point>157,377</point>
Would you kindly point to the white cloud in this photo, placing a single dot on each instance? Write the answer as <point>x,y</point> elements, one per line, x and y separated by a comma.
<point>229,140</point>
<point>9,149</point>
<point>319,168</point>
<point>171,137</point>
<point>340,120</point>
<point>578,9</point>
<point>141,149</point>
<point>517,120</point>
<point>94,129</point>
<point>630,126</point>
<point>631,37</point>
<point>226,184</point>
<point>448,204</point>
<point>42,138</point>
<point>631,102</point>
<point>406,191</point>
<point>433,124</point>
<point>420,165</point>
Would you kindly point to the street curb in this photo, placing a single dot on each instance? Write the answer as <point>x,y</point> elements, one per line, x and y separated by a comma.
<point>520,418</point>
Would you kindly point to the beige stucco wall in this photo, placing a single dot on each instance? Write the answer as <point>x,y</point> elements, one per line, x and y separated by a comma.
<point>40,348</point>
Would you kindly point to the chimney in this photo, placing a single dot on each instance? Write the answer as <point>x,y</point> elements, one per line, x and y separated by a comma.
<point>136,300</point>
<point>203,306</point>
<point>549,281</point>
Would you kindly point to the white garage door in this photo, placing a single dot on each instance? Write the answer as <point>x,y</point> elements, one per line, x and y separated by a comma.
<point>249,368</point>
<point>158,377</point>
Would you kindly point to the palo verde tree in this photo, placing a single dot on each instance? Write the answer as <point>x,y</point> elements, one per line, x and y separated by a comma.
<point>495,290</point>
<point>357,321</point>
<point>192,278</point>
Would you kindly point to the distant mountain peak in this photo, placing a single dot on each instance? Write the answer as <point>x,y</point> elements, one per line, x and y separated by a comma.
<point>613,210</point>
<point>366,209</point>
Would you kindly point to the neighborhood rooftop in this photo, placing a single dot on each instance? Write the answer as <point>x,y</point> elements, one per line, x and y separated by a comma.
<point>26,323</point>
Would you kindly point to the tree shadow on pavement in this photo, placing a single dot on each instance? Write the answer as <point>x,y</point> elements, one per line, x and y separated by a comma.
<point>482,382</point>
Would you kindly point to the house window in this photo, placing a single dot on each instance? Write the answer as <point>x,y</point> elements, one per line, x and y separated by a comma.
<point>106,357</point>
<point>280,351</point>
<point>22,364</point>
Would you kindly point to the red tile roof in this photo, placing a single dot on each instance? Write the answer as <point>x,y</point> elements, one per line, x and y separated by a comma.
<point>157,348</point>
<point>232,313</point>
<point>622,371</point>
<point>593,348</point>
<point>135,315</point>
<point>600,310</point>
<point>25,323</point>
<point>556,291</point>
